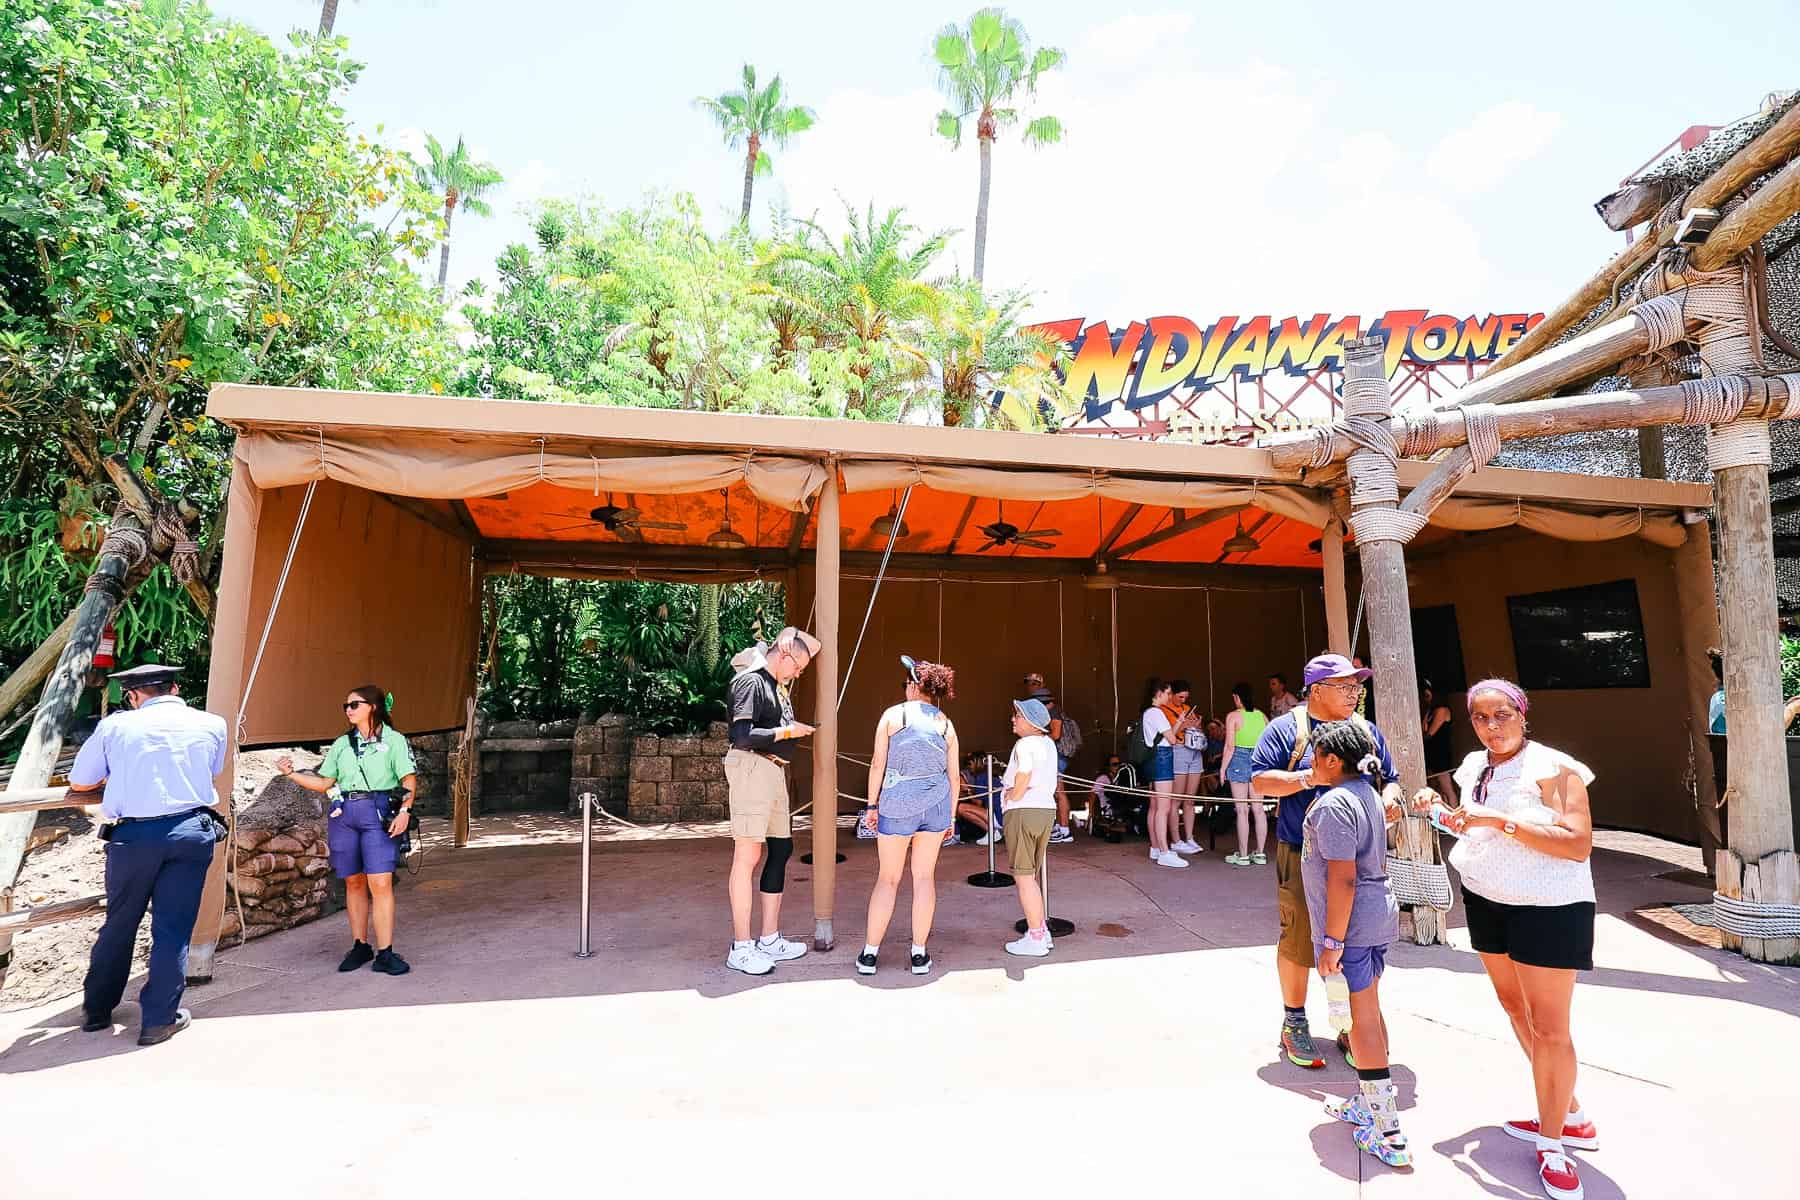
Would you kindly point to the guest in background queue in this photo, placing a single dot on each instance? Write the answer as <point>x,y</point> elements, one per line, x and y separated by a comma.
<point>978,789</point>
<point>1158,731</point>
<point>362,771</point>
<point>1189,735</point>
<point>156,760</point>
<point>1281,701</point>
<point>1528,892</point>
<point>762,724</point>
<point>913,786</point>
<point>1030,805</point>
<point>1243,729</point>
<point>1439,757</point>
<point>1281,765</point>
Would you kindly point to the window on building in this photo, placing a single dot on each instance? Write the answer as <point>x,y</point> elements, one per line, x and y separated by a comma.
<point>1437,648</point>
<point>1586,637</point>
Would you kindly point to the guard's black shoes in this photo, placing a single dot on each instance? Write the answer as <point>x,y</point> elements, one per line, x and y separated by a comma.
<point>389,963</point>
<point>360,953</point>
<point>93,1024</point>
<point>156,1035</point>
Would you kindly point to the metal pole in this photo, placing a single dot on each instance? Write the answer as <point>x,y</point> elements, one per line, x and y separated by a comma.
<point>588,800</point>
<point>990,878</point>
<point>1055,926</point>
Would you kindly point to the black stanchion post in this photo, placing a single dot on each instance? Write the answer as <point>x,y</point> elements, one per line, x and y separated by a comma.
<point>990,878</point>
<point>1057,926</point>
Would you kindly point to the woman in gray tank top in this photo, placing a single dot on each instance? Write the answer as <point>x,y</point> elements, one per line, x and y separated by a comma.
<point>913,784</point>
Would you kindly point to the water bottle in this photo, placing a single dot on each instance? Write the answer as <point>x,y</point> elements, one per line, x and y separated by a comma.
<point>1337,992</point>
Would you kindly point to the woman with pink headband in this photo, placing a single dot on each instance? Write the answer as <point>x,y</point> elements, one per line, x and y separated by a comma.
<point>1525,836</point>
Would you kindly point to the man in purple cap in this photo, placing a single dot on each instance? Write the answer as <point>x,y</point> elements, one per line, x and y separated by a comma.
<point>1281,765</point>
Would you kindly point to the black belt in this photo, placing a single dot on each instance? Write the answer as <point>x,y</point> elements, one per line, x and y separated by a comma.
<point>166,816</point>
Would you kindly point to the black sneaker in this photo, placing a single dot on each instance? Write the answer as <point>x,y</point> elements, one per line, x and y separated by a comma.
<point>921,964</point>
<point>389,963</point>
<point>865,963</point>
<point>93,1024</point>
<point>360,953</point>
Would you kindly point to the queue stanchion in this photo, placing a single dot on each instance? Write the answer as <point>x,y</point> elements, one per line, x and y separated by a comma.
<point>1056,926</point>
<point>588,800</point>
<point>990,878</point>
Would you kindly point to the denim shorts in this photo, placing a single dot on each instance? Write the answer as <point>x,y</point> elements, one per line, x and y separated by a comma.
<point>1162,767</point>
<point>1362,965</point>
<point>1189,762</point>
<point>935,819</point>
<point>358,837</point>
<point>1238,769</point>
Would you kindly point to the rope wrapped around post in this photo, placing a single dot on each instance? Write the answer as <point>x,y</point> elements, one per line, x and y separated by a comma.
<point>1754,919</point>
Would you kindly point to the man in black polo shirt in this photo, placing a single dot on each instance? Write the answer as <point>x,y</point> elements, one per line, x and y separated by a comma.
<point>762,723</point>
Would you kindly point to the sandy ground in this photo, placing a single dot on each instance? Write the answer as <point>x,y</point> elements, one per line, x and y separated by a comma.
<point>1139,1057</point>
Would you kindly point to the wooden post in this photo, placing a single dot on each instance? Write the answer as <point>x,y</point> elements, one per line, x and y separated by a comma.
<point>826,587</point>
<point>231,648</point>
<point>61,693</point>
<point>1760,862</point>
<point>29,676</point>
<point>1652,458</point>
<point>1337,599</point>
<point>1389,608</point>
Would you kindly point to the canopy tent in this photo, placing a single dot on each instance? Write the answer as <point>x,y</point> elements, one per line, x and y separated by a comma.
<point>1131,557</point>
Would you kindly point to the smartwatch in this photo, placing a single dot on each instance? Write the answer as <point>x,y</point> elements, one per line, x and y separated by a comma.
<point>1331,943</point>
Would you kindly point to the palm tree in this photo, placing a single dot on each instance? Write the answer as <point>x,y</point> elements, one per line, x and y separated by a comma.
<point>982,70</point>
<point>327,17</point>
<point>864,295</point>
<point>463,181</point>
<point>989,369</point>
<point>750,117</point>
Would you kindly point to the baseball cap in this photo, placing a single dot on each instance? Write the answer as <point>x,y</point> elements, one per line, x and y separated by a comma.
<point>1034,712</point>
<point>1043,693</point>
<point>1332,666</point>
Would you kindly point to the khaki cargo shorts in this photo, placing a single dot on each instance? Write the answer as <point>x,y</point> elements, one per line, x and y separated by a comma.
<point>1296,944</point>
<point>1027,833</point>
<point>758,796</point>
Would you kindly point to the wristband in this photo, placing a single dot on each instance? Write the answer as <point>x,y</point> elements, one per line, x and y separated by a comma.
<point>1331,943</point>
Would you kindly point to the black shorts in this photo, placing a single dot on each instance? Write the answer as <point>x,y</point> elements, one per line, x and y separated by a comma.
<point>1559,936</point>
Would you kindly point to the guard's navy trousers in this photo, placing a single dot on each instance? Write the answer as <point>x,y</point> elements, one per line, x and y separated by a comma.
<point>160,865</point>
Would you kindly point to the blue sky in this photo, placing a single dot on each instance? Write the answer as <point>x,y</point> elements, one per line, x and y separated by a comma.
<point>1253,158</point>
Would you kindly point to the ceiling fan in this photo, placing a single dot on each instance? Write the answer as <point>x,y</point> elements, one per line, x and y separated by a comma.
<point>627,523</point>
<point>1003,533</point>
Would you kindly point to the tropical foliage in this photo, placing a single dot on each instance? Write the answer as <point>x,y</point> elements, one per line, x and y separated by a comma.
<point>183,202</point>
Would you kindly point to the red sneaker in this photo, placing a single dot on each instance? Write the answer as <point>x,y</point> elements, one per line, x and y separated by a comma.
<point>1582,1137</point>
<point>1557,1173</point>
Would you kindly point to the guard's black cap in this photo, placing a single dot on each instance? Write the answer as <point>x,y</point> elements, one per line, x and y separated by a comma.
<point>146,675</point>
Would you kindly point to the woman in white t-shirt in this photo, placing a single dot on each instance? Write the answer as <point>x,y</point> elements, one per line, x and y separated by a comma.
<point>1159,736</point>
<point>1525,838</point>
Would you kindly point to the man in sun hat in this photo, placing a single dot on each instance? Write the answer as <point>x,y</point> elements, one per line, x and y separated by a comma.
<point>1281,765</point>
<point>155,760</point>
<point>1030,806</point>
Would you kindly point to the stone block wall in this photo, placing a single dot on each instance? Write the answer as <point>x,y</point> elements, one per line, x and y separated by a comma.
<point>431,752</point>
<point>601,764</point>
<point>520,780</point>
<point>678,777</point>
<point>283,863</point>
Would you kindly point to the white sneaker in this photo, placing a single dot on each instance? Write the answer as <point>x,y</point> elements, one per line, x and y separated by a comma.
<point>1171,859</point>
<point>1060,834</point>
<point>749,960</point>
<point>987,839</point>
<point>780,950</point>
<point>1187,847</point>
<point>1155,854</point>
<point>1030,947</point>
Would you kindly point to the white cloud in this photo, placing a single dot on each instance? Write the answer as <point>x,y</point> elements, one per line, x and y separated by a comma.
<point>1486,150</point>
<point>1181,187</point>
<point>532,182</point>
<point>1131,39</point>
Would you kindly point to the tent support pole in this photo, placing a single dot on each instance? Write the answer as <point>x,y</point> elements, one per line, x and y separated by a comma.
<point>1373,486</point>
<point>826,588</point>
<point>225,694</point>
<point>1337,599</point>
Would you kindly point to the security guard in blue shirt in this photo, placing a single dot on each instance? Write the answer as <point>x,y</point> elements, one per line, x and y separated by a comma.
<point>156,761</point>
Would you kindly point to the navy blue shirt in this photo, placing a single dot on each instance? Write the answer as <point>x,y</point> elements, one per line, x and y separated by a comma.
<point>1272,752</point>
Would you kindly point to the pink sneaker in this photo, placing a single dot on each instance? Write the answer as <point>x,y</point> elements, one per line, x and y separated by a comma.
<point>1582,1137</point>
<point>1556,1171</point>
